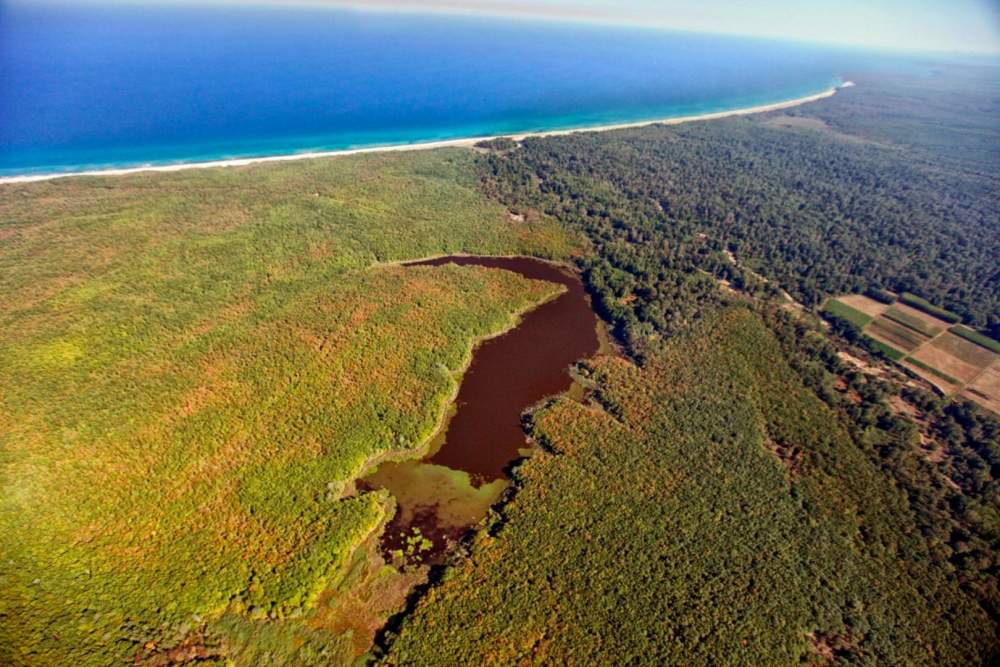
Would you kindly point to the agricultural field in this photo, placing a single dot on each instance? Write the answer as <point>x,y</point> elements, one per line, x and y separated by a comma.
<point>855,316</point>
<point>939,357</point>
<point>945,383</point>
<point>964,350</point>
<point>976,337</point>
<point>986,390</point>
<point>896,335</point>
<point>866,305</point>
<point>917,320</point>
<point>195,366</point>
<point>948,357</point>
<point>857,312</point>
<point>724,539</point>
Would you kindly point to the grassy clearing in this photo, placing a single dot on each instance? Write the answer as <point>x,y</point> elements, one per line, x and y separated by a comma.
<point>864,303</point>
<point>977,338</point>
<point>193,367</point>
<point>852,315</point>
<point>715,550</point>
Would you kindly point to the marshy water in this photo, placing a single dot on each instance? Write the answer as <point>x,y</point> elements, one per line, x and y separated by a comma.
<point>441,496</point>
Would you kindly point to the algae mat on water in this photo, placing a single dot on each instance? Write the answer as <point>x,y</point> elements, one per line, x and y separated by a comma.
<point>193,368</point>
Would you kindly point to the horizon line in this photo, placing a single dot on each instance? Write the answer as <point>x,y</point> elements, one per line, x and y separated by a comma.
<point>524,11</point>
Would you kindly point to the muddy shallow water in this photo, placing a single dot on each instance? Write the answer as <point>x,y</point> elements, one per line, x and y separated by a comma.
<point>451,489</point>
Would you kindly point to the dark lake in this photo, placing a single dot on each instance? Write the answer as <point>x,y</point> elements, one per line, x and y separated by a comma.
<point>450,490</point>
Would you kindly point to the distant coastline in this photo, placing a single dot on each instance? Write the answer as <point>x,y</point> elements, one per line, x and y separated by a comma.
<point>469,141</point>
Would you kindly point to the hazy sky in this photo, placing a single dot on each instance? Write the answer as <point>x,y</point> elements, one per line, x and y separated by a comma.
<point>926,25</point>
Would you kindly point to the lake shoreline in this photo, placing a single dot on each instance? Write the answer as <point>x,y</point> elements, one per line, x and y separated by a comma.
<point>430,145</point>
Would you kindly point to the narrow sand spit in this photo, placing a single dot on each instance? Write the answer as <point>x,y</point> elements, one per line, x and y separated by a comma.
<point>241,162</point>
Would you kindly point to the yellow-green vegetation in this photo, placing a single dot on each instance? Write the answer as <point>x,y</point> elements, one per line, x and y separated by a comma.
<point>195,366</point>
<point>977,338</point>
<point>845,312</point>
<point>714,512</point>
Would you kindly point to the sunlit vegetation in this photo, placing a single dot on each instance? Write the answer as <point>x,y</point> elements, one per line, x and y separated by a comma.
<point>897,335</point>
<point>741,499</point>
<point>730,515</point>
<point>816,212</point>
<point>193,369</point>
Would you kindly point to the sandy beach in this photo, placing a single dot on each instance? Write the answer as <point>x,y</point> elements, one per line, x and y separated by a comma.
<point>470,141</point>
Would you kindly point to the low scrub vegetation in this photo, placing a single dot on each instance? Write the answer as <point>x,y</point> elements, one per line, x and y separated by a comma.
<point>195,366</point>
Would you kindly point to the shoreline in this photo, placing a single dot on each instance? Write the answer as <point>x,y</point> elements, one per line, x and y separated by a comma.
<point>429,145</point>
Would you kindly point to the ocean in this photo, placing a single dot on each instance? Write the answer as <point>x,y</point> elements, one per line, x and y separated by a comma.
<point>91,86</point>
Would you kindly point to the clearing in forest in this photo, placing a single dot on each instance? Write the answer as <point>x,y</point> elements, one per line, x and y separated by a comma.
<point>940,359</point>
<point>965,350</point>
<point>926,345</point>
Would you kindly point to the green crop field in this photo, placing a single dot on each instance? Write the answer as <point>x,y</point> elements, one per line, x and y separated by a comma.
<point>888,350</point>
<point>194,367</point>
<point>852,315</point>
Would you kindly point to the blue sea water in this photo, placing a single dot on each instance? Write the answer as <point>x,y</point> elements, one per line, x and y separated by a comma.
<point>97,86</point>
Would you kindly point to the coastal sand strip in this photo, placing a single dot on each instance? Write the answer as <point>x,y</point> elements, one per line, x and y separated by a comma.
<point>241,162</point>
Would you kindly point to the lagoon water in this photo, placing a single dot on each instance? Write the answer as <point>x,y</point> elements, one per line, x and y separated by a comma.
<point>95,85</point>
